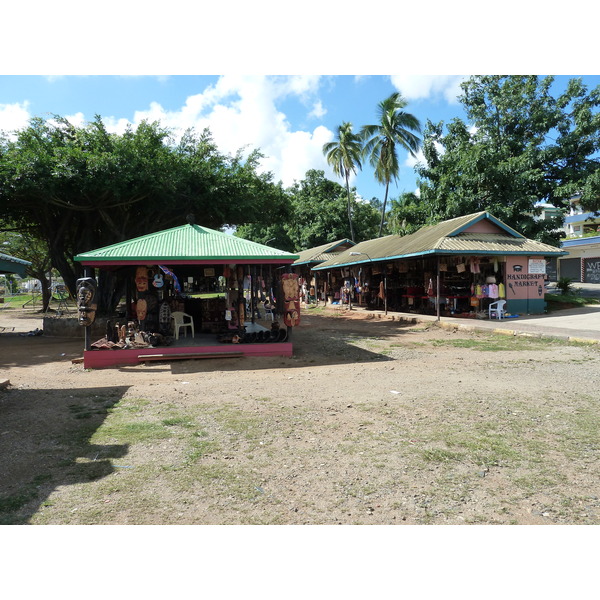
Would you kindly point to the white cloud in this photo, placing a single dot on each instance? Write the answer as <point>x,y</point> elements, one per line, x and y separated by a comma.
<point>318,110</point>
<point>412,161</point>
<point>241,112</point>
<point>416,87</point>
<point>78,119</point>
<point>14,116</point>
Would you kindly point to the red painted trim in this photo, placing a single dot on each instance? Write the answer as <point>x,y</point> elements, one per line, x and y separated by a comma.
<point>99,359</point>
<point>118,263</point>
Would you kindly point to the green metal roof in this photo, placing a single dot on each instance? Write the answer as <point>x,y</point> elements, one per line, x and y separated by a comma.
<point>323,252</point>
<point>11,264</point>
<point>445,238</point>
<point>185,243</point>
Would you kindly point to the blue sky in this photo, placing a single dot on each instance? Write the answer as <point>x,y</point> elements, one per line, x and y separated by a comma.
<point>288,117</point>
<point>129,61</point>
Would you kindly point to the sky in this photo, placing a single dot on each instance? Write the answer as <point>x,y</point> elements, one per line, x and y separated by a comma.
<point>270,75</point>
<point>288,118</point>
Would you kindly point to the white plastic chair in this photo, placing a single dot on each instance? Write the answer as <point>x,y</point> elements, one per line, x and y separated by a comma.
<point>179,322</point>
<point>497,309</point>
<point>269,311</point>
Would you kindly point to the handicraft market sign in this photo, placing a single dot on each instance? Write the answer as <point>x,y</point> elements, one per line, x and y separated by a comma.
<point>521,283</point>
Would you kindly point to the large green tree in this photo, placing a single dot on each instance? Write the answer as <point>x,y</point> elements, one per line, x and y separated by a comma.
<point>79,188</point>
<point>344,155</point>
<point>520,144</point>
<point>27,247</point>
<point>395,128</point>
<point>407,214</point>
<point>314,216</point>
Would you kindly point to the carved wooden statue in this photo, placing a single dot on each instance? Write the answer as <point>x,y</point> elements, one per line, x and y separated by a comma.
<point>86,300</point>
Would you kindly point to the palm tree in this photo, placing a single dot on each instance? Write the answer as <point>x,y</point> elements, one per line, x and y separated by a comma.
<point>344,155</point>
<point>395,128</point>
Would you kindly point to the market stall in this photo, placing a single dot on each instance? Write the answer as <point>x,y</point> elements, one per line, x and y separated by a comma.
<point>190,292</point>
<point>458,267</point>
<point>315,289</point>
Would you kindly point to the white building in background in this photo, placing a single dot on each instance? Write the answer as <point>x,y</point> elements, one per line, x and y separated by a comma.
<point>582,242</point>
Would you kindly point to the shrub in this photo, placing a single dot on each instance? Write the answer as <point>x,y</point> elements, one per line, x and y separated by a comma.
<point>565,285</point>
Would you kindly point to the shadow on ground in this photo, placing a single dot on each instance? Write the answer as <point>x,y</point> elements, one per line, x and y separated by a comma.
<point>45,443</point>
<point>319,340</point>
<point>18,350</point>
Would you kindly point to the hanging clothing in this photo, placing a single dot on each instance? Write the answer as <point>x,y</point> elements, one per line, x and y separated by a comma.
<point>381,291</point>
<point>493,291</point>
<point>501,291</point>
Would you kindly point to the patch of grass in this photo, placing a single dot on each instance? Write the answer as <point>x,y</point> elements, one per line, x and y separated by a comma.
<point>240,422</point>
<point>130,433</point>
<point>11,504</point>
<point>569,300</point>
<point>200,448</point>
<point>536,482</point>
<point>499,343</point>
<point>178,422</point>
<point>80,411</point>
<point>443,456</point>
<point>480,444</point>
<point>131,405</point>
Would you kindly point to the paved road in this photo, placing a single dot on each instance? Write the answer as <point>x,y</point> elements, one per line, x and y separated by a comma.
<point>573,323</point>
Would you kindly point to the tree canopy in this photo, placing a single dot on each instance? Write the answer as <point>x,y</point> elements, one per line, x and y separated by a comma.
<point>315,215</point>
<point>520,146</point>
<point>79,188</point>
<point>345,154</point>
<point>396,127</point>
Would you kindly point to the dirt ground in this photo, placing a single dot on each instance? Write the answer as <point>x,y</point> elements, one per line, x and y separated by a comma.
<point>373,421</point>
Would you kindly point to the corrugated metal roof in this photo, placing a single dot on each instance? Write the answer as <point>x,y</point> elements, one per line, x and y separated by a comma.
<point>494,243</point>
<point>321,253</point>
<point>12,264</point>
<point>187,242</point>
<point>444,238</point>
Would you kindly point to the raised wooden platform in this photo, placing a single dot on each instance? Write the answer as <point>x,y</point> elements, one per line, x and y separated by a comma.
<point>99,359</point>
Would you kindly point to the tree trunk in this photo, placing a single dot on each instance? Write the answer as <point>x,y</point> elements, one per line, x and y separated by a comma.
<point>387,185</point>
<point>349,210</point>
<point>111,288</point>
<point>45,288</point>
<point>66,270</point>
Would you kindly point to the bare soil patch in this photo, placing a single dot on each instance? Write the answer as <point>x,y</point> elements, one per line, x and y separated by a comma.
<point>373,421</point>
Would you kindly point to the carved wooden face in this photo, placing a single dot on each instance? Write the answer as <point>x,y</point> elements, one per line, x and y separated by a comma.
<point>290,288</point>
<point>85,301</point>
<point>141,284</point>
<point>84,296</point>
<point>141,279</point>
<point>141,309</point>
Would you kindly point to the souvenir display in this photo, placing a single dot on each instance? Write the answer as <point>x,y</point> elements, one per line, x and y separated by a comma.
<point>86,300</point>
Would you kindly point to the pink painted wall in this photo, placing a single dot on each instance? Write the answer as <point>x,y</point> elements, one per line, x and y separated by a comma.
<point>520,284</point>
<point>484,226</point>
<point>98,359</point>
